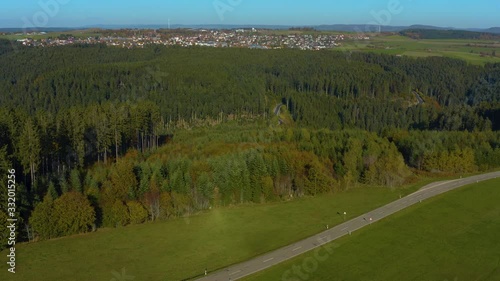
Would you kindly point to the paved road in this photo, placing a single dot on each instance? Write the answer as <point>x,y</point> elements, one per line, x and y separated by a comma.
<point>275,257</point>
<point>277,112</point>
<point>419,98</point>
<point>277,109</point>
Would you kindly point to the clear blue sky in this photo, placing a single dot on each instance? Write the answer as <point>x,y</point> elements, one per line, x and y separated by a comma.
<point>74,13</point>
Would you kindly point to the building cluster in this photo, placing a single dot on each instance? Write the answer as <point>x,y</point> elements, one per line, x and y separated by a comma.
<point>208,38</point>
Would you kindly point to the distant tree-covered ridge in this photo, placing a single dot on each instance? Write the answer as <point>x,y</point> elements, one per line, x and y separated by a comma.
<point>448,34</point>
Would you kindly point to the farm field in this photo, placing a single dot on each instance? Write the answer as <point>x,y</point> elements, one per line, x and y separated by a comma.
<point>468,50</point>
<point>76,33</point>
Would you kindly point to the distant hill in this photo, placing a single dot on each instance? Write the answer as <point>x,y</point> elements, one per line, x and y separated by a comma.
<point>421,26</point>
<point>495,30</point>
<point>332,27</point>
<point>373,28</point>
<point>447,34</point>
<point>359,28</point>
<point>35,29</point>
<point>193,26</point>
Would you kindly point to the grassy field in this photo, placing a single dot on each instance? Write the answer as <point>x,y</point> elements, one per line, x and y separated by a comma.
<point>183,248</point>
<point>83,34</point>
<point>22,36</point>
<point>451,237</point>
<point>468,50</point>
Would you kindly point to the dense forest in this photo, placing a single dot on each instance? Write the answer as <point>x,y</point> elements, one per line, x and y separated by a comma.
<point>448,34</point>
<point>105,137</point>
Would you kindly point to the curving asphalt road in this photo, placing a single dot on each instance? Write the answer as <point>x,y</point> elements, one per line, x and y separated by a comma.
<point>275,257</point>
<point>419,98</point>
<point>277,109</point>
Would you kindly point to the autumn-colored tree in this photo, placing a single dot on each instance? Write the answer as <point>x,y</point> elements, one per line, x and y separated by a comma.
<point>151,200</point>
<point>115,214</point>
<point>166,208</point>
<point>124,180</point>
<point>73,214</point>
<point>138,214</point>
<point>391,169</point>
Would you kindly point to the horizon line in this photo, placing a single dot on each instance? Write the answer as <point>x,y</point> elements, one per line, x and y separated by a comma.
<point>97,25</point>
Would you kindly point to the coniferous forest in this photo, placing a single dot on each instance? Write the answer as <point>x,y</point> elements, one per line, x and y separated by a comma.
<point>105,137</point>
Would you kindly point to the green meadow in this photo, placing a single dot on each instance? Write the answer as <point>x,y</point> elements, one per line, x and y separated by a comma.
<point>454,237</point>
<point>83,34</point>
<point>183,248</point>
<point>468,50</point>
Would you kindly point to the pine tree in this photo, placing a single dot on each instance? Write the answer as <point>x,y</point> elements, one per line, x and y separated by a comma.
<point>29,149</point>
<point>118,116</point>
<point>42,219</point>
<point>75,125</point>
<point>52,191</point>
<point>75,181</point>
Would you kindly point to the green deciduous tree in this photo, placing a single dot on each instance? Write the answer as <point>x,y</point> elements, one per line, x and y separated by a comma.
<point>115,214</point>
<point>73,214</point>
<point>138,214</point>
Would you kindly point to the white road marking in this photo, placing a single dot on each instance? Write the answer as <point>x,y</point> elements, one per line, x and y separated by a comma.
<point>235,272</point>
<point>297,249</point>
<point>268,260</point>
<point>344,228</point>
<point>431,186</point>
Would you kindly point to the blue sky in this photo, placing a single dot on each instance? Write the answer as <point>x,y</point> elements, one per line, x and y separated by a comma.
<point>74,13</point>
